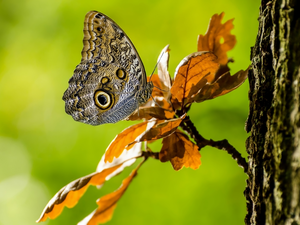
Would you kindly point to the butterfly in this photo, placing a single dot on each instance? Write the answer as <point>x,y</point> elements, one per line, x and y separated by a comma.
<point>110,82</point>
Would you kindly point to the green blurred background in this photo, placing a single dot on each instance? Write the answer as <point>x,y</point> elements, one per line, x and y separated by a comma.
<point>42,149</point>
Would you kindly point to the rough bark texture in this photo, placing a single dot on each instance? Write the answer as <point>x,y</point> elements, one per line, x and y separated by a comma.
<point>273,187</point>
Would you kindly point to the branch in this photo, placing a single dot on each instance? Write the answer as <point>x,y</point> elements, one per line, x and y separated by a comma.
<point>224,145</point>
<point>189,127</point>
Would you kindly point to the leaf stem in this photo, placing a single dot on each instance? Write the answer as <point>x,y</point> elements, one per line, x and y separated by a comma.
<point>188,126</point>
<point>154,155</point>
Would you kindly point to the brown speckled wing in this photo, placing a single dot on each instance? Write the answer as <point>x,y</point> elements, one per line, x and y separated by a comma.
<point>110,82</point>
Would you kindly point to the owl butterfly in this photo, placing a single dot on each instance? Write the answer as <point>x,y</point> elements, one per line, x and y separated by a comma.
<point>110,82</point>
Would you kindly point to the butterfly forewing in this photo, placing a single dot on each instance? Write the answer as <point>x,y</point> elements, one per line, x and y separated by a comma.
<point>107,84</point>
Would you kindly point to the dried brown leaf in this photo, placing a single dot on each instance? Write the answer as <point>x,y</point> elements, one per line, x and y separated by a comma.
<point>156,92</point>
<point>107,204</point>
<point>162,81</point>
<point>161,86</point>
<point>223,69</point>
<point>163,73</point>
<point>195,89</point>
<point>159,94</point>
<point>127,158</point>
<point>180,151</point>
<point>151,112</point>
<point>193,71</point>
<point>117,146</point>
<point>224,84</point>
<point>218,38</point>
<point>70,194</point>
<point>160,129</point>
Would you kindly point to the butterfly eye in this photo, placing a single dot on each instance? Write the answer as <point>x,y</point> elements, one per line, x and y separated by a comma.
<point>103,100</point>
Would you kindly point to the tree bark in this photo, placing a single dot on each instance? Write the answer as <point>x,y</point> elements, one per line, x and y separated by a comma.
<point>273,186</point>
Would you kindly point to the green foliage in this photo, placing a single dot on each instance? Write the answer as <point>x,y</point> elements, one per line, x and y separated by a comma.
<point>43,149</point>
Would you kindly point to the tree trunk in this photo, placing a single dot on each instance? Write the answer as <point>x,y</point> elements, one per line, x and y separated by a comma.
<point>273,186</point>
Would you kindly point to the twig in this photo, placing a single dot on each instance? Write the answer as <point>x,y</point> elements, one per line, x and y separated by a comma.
<point>224,145</point>
<point>151,154</point>
<point>189,127</point>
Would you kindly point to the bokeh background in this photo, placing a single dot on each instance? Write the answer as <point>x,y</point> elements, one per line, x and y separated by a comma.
<point>42,148</point>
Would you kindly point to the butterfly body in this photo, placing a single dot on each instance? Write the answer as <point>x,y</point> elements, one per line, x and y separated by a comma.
<point>110,82</point>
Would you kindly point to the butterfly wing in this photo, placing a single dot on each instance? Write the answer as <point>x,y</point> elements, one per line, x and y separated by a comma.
<point>104,85</point>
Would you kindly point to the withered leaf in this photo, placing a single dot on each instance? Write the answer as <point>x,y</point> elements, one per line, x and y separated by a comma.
<point>163,73</point>
<point>70,194</point>
<point>151,112</point>
<point>156,92</point>
<point>223,69</point>
<point>161,81</point>
<point>127,158</point>
<point>193,71</point>
<point>160,94</point>
<point>224,84</point>
<point>161,129</point>
<point>107,204</point>
<point>162,84</point>
<point>218,38</point>
<point>117,146</point>
<point>180,151</point>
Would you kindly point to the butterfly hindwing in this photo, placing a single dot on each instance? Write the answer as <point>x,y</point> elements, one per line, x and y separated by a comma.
<point>107,84</point>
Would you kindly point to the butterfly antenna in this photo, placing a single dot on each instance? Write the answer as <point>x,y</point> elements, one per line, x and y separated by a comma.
<point>156,65</point>
<point>160,105</point>
<point>156,102</point>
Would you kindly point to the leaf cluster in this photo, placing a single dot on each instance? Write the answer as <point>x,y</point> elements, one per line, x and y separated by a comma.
<point>200,76</point>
